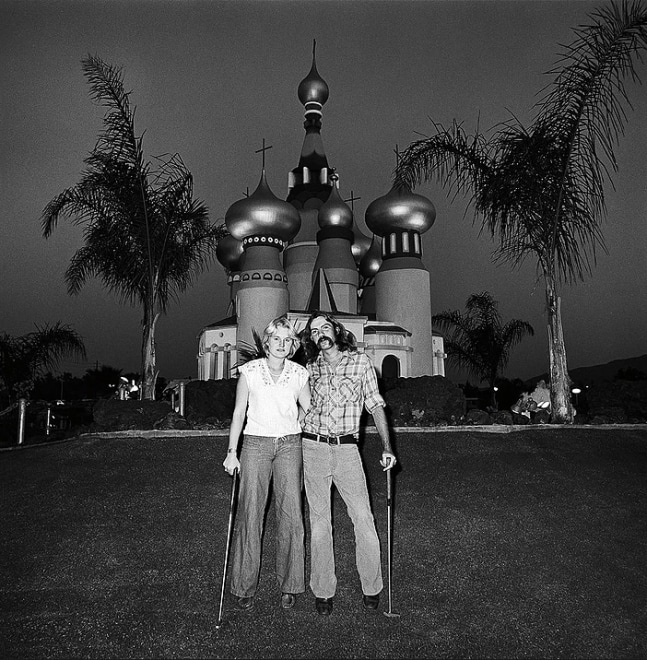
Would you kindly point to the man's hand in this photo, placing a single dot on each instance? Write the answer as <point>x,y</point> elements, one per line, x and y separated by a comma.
<point>388,460</point>
<point>231,463</point>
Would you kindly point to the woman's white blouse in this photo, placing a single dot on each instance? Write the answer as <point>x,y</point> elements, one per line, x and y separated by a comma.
<point>272,406</point>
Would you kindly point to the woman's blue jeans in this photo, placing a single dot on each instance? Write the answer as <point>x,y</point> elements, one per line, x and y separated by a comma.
<point>264,460</point>
<point>323,465</point>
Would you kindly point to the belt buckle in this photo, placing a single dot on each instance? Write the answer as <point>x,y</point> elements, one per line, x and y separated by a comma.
<point>328,439</point>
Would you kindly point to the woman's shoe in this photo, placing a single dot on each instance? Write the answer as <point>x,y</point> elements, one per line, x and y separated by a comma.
<point>245,602</point>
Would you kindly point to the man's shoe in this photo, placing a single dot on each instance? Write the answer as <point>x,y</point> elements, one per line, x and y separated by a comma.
<point>245,603</point>
<point>323,606</point>
<point>288,601</point>
<point>371,602</point>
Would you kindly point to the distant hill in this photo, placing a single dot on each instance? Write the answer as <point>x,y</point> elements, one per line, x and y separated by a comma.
<point>601,372</point>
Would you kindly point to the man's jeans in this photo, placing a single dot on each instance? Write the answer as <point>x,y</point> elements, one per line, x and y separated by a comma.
<point>263,459</point>
<point>324,465</point>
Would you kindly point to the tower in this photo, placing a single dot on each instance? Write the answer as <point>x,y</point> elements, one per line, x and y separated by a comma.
<point>335,266</point>
<point>402,283</point>
<point>309,187</point>
<point>264,224</point>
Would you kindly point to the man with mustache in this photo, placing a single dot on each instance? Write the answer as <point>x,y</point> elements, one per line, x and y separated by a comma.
<point>343,382</point>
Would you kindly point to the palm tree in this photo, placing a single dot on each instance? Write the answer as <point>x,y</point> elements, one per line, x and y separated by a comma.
<point>23,359</point>
<point>145,235</point>
<point>476,341</point>
<point>540,191</point>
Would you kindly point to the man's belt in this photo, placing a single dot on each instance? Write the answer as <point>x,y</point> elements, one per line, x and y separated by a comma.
<point>347,439</point>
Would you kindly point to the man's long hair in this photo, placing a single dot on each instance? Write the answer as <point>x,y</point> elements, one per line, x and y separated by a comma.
<point>344,339</point>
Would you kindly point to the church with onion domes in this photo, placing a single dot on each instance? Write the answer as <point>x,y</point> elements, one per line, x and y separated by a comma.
<point>306,253</point>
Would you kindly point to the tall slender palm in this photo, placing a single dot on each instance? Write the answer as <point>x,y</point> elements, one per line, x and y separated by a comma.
<point>477,341</point>
<point>145,235</point>
<point>24,358</point>
<point>540,191</point>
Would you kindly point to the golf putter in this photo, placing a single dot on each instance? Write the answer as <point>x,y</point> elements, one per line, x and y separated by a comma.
<point>389,502</point>
<point>230,526</point>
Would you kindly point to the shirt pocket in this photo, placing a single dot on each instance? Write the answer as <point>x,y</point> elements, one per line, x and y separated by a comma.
<point>349,389</point>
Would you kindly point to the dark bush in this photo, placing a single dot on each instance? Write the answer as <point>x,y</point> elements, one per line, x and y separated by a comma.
<point>617,401</point>
<point>131,414</point>
<point>423,401</point>
<point>209,402</point>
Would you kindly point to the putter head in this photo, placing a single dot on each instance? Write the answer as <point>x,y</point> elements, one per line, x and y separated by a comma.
<point>391,615</point>
<point>223,623</point>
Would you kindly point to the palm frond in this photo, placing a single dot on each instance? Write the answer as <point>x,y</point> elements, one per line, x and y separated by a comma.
<point>584,111</point>
<point>107,88</point>
<point>457,160</point>
<point>248,352</point>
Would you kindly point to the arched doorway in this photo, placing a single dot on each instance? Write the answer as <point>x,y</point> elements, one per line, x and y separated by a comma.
<point>390,367</point>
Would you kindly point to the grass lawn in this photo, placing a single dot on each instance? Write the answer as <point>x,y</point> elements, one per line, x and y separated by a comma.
<point>530,544</point>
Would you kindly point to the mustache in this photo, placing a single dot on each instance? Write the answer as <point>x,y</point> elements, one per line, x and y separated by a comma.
<point>322,340</point>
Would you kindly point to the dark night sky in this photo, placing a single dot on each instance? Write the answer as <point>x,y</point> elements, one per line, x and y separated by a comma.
<point>212,79</point>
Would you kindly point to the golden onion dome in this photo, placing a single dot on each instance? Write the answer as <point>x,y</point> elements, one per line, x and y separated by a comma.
<point>313,88</point>
<point>400,210</point>
<point>360,245</point>
<point>229,251</point>
<point>262,214</point>
<point>372,260</point>
<point>334,212</point>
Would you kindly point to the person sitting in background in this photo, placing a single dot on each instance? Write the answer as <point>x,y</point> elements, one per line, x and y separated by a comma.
<point>521,409</point>
<point>533,406</point>
<point>541,396</point>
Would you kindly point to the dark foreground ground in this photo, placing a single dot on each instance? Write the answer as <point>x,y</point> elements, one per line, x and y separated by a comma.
<point>530,544</point>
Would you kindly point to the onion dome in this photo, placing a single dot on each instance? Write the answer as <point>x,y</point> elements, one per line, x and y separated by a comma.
<point>262,214</point>
<point>229,251</point>
<point>334,212</point>
<point>360,246</point>
<point>313,88</point>
<point>400,210</point>
<point>372,260</point>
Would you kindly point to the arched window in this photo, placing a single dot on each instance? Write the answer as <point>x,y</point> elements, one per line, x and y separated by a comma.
<point>390,367</point>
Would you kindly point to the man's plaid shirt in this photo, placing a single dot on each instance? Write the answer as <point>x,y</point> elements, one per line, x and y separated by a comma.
<point>339,393</point>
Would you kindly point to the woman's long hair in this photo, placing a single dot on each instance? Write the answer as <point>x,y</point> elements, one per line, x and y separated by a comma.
<point>344,339</point>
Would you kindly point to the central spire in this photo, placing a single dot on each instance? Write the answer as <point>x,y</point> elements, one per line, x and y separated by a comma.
<point>313,89</point>
<point>313,94</point>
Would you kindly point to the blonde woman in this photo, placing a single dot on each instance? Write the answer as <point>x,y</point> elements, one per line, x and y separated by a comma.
<point>269,392</point>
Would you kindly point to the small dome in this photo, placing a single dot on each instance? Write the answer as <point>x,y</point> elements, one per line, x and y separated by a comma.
<point>372,260</point>
<point>313,87</point>
<point>400,209</point>
<point>263,214</point>
<point>334,212</point>
<point>229,251</point>
<point>360,245</point>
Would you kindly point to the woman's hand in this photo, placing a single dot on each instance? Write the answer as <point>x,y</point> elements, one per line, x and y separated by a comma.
<point>388,460</point>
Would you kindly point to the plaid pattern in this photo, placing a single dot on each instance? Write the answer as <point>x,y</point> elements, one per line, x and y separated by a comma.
<point>339,393</point>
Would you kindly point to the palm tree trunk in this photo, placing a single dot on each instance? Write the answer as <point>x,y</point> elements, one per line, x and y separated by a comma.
<point>560,382</point>
<point>149,374</point>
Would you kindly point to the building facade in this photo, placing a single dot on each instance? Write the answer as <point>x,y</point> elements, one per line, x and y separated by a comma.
<point>306,253</point>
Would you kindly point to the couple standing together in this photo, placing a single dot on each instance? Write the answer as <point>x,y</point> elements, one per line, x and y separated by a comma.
<point>302,426</point>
